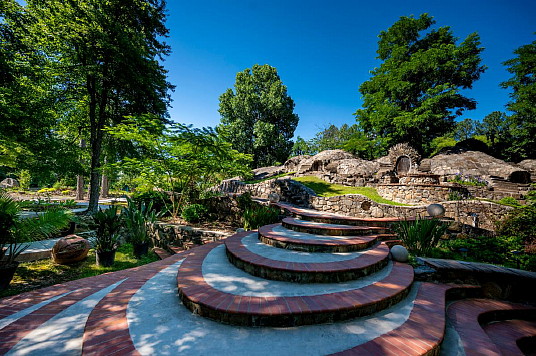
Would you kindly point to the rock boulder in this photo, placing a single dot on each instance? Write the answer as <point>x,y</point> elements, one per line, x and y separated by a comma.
<point>70,249</point>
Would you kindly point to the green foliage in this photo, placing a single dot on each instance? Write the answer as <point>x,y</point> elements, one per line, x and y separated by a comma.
<point>138,219</point>
<point>194,213</point>
<point>442,142</point>
<point>325,189</point>
<point>177,158</point>
<point>420,236</point>
<point>159,200</point>
<point>14,230</point>
<point>245,201</point>
<point>25,179</point>
<point>523,104</point>
<point>257,118</point>
<point>260,215</point>
<point>455,195</point>
<point>465,129</point>
<point>303,147</point>
<point>520,224</point>
<point>43,205</point>
<point>510,201</point>
<point>415,94</point>
<point>44,273</point>
<point>107,233</point>
<point>467,179</point>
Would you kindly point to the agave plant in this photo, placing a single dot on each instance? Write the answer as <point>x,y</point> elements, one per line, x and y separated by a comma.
<point>16,231</point>
<point>420,235</point>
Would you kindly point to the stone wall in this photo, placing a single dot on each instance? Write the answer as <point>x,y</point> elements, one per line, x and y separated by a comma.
<point>419,193</point>
<point>181,235</point>
<point>470,212</point>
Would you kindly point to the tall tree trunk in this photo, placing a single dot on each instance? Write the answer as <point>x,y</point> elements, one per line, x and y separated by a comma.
<point>80,178</point>
<point>105,186</point>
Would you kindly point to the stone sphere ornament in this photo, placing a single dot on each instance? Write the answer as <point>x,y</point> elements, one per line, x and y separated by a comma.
<point>435,210</point>
<point>70,249</point>
<point>399,253</point>
<point>273,197</point>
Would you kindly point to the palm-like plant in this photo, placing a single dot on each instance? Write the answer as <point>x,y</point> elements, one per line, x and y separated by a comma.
<point>138,221</point>
<point>421,235</point>
<point>15,230</point>
<point>108,226</point>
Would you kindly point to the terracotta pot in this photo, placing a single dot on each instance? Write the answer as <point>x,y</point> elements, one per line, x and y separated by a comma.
<point>105,258</point>
<point>6,274</point>
<point>140,249</point>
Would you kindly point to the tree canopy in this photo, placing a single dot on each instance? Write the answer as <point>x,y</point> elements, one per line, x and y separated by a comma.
<point>103,57</point>
<point>414,95</point>
<point>258,116</point>
<point>523,104</point>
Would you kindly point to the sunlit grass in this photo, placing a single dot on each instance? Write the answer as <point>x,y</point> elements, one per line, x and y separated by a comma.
<point>272,177</point>
<point>44,273</point>
<point>325,189</point>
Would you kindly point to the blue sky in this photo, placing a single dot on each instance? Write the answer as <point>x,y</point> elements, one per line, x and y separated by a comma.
<point>323,50</point>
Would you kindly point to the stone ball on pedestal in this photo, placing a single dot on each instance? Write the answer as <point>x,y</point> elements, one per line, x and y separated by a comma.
<point>435,210</point>
<point>399,253</point>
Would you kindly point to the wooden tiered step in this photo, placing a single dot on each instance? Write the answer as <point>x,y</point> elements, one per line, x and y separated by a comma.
<point>211,288</point>
<point>247,253</point>
<point>312,227</point>
<point>468,316</point>
<point>279,236</point>
<point>513,337</point>
<point>330,218</point>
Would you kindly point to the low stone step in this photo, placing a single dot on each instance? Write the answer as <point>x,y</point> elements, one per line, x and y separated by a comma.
<point>212,287</point>
<point>330,218</point>
<point>279,236</point>
<point>467,316</point>
<point>246,252</point>
<point>312,227</point>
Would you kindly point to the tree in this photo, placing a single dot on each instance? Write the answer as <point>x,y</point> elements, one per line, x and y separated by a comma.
<point>29,105</point>
<point>465,129</point>
<point>414,95</point>
<point>523,104</point>
<point>258,116</point>
<point>496,128</point>
<point>177,159</point>
<point>303,147</point>
<point>105,59</point>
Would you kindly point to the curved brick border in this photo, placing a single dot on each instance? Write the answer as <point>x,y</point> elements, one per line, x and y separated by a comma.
<point>368,262</point>
<point>511,334</point>
<point>209,302</point>
<point>422,333</point>
<point>349,244</point>
<point>331,229</point>
<point>468,315</point>
<point>330,218</point>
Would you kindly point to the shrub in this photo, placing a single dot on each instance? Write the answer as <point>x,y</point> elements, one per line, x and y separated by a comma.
<point>520,225</point>
<point>194,213</point>
<point>510,201</point>
<point>255,217</point>
<point>468,180</point>
<point>25,179</point>
<point>245,201</point>
<point>420,236</point>
<point>160,200</point>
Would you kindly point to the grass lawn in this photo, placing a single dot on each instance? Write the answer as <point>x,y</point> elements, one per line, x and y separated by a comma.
<point>44,273</point>
<point>325,189</point>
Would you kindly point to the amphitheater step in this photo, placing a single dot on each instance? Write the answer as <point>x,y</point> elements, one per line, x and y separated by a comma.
<point>212,287</point>
<point>330,218</point>
<point>513,337</point>
<point>312,227</point>
<point>246,252</point>
<point>282,237</point>
<point>423,331</point>
<point>468,316</point>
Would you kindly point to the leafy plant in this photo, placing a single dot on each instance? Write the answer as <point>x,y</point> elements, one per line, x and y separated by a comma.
<point>194,213</point>
<point>420,236</point>
<point>137,219</point>
<point>255,217</point>
<point>107,233</point>
<point>510,201</point>
<point>467,179</point>
<point>15,231</point>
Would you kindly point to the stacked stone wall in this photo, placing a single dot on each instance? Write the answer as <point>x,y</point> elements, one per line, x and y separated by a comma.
<point>475,213</point>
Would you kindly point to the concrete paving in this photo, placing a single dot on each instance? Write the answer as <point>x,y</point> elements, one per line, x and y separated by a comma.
<point>225,277</point>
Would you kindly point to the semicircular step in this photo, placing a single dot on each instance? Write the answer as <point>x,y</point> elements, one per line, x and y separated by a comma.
<point>246,252</point>
<point>278,235</point>
<point>209,285</point>
<point>331,218</point>
<point>312,227</point>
